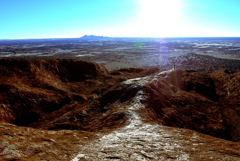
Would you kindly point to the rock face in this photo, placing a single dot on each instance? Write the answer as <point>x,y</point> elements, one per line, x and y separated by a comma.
<point>32,88</point>
<point>54,98</point>
<point>191,102</point>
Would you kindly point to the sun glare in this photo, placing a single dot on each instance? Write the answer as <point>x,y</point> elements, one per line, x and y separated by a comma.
<point>159,17</point>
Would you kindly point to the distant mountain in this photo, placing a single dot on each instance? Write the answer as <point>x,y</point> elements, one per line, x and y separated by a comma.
<point>93,37</point>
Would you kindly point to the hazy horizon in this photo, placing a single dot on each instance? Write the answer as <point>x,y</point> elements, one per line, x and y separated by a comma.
<point>30,19</point>
<point>120,37</point>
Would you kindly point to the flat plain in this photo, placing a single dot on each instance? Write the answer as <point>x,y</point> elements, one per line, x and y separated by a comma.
<point>201,54</point>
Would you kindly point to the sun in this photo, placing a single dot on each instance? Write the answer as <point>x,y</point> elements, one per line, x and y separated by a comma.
<point>159,17</point>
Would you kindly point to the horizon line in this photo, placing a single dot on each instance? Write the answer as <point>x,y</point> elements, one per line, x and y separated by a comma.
<point>106,37</point>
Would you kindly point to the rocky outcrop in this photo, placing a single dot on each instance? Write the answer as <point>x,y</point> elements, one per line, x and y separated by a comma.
<point>58,94</point>
<point>187,100</point>
<point>33,88</point>
<point>72,95</point>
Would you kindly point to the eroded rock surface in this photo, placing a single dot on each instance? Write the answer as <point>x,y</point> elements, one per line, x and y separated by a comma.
<point>77,110</point>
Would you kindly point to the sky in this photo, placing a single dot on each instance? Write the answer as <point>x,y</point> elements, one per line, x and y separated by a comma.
<point>22,19</point>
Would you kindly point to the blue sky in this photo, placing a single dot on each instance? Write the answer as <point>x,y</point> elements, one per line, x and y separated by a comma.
<point>21,19</point>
